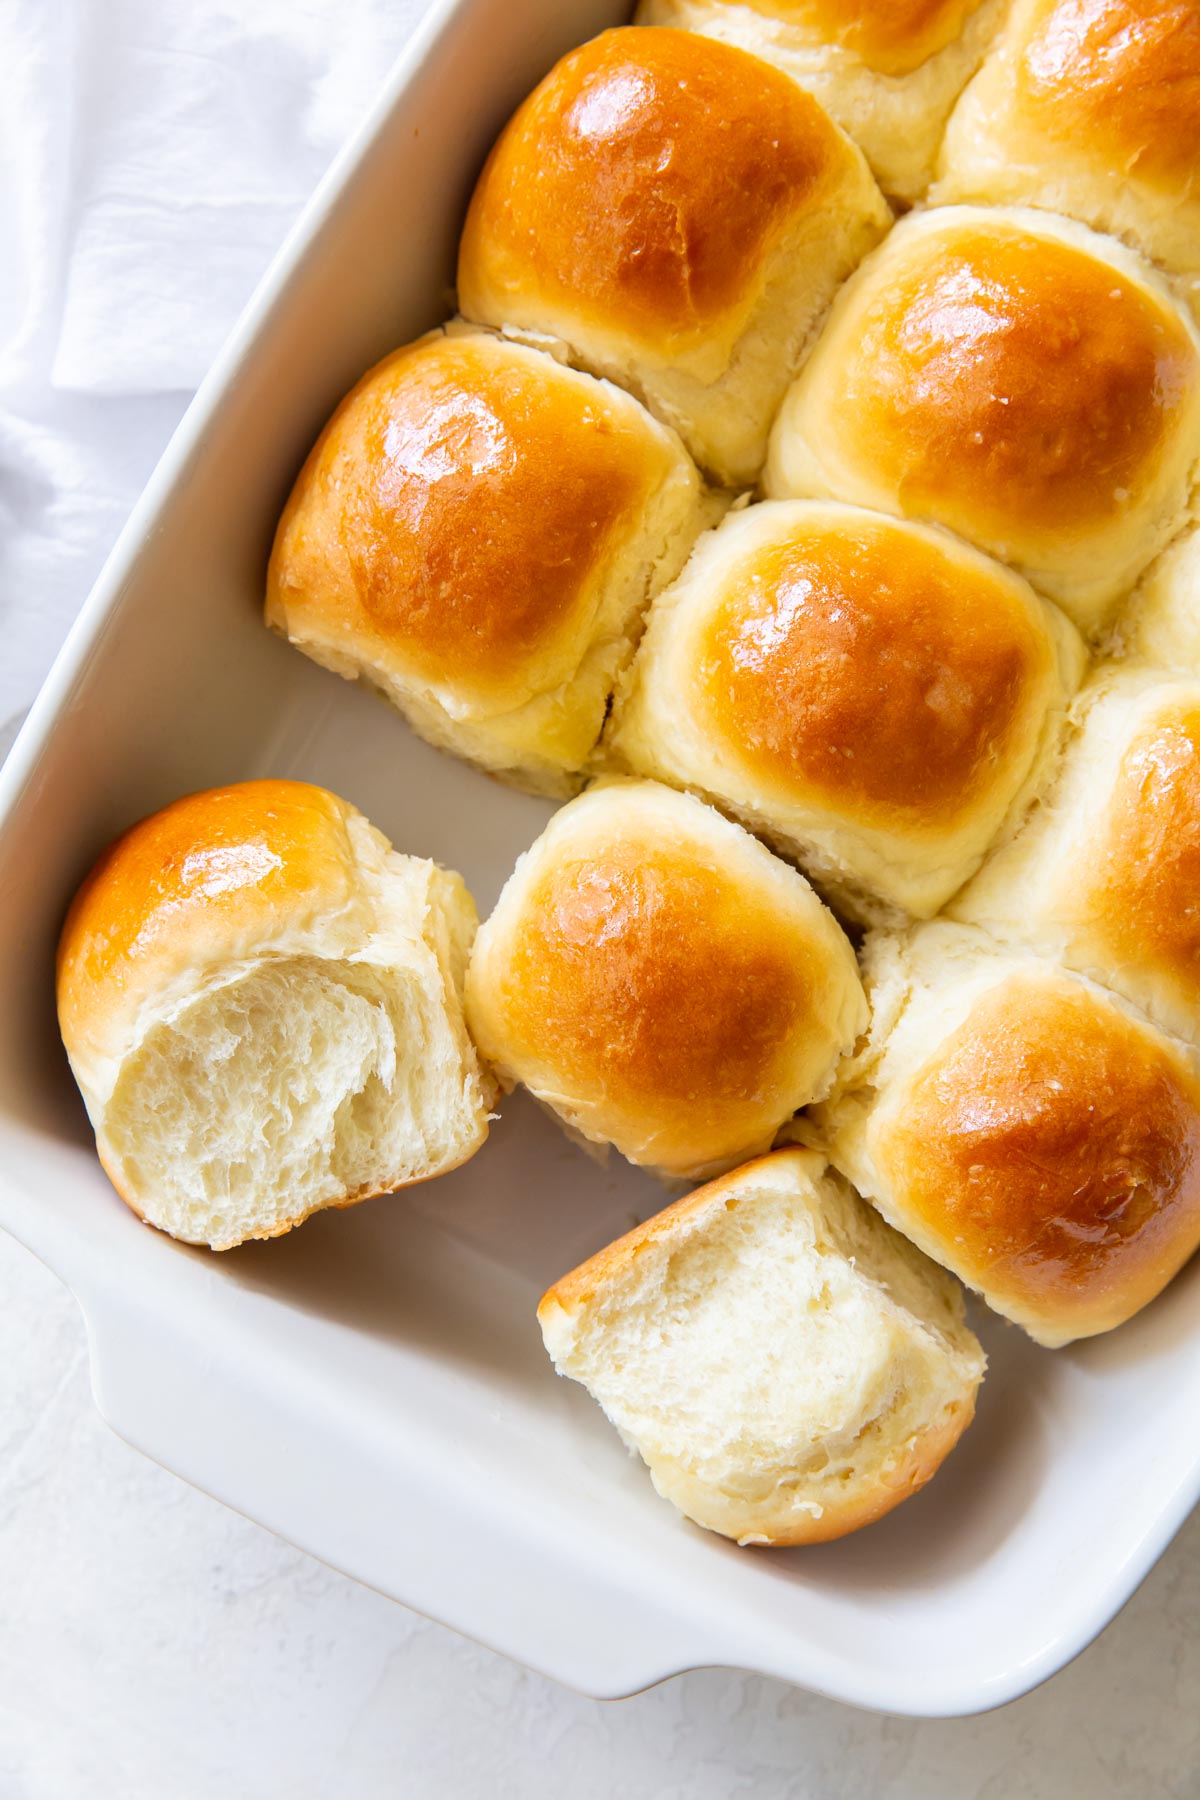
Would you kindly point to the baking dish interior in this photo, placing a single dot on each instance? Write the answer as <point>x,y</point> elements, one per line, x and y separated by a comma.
<point>402,1334</point>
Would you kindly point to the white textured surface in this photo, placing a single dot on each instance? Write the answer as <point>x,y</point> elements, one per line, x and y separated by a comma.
<point>151,1643</point>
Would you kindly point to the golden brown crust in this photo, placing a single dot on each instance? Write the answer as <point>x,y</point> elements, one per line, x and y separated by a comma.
<point>1121,77</point>
<point>892,37</point>
<point>207,866</point>
<point>869,668</point>
<point>579,1290</point>
<point>455,513</point>
<point>664,984</point>
<point>1053,1146</point>
<point>1010,379</point>
<point>644,183</point>
<point>1142,886</point>
<point>575,1290</point>
<point>925,1457</point>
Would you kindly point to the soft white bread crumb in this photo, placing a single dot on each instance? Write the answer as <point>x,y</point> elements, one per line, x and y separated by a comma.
<point>262,1003</point>
<point>788,1367</point>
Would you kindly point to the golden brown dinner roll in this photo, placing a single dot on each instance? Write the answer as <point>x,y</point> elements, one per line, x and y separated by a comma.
<point>476,534</point>
<point>889,71</point>
<point>1017,378</point>
<point>1026,1128</point>
<point>1105,874</point>
<point>1092,108</point>
<point>262,1004</point>
<point>679,214</point>
<point>661,981</point>
<point>788,1367</point>
<point>873,696</point>
<point>1160,622</point>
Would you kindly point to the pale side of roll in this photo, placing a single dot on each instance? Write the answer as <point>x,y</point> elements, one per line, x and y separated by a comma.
<point>1160,622</point>
<point>262,1005</point>
<point>787,1366</point>
<point>1105,873</point>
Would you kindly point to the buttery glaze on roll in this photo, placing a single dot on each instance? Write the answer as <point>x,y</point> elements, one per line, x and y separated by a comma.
<point>888,71</point>
<point>1024,1127</point>
<point>874,697</point>
<point>1105,874</point>
<point>788,1368</point>
<point>1016,378</point>
<point>661,981</point>
<point>476,534</point>
<point>679,215</point>
<point>262,1005</point>
<point>1091,108</point>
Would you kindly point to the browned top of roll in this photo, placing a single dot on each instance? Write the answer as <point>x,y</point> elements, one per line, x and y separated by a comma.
<point>875,668</point>
<point>456,509</point>
<point>1142,885</point>
<point>648,975</point>
<point>205,872</point>
<point>893,37</point>
<point>1123,78</point>
<point>1056,1146</point>
<point>1009,377</point>
<point>644,182</point>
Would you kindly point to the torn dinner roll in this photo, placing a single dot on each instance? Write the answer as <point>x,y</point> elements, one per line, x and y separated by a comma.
<point>788,1367</point>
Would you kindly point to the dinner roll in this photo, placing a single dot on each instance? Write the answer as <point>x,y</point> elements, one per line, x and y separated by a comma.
<point>678,214</point>
<point>873,696</point>
<point>262,1005</point>
<point>1092,108</point>
<point>788,1368</point>
<point>1105,875</point>
<point>476,534</point>
<point>1160,623</point>
<point>1024,1127</point>
<point>661,981</point>
<point>889,71</point>
<point>1017,378</point>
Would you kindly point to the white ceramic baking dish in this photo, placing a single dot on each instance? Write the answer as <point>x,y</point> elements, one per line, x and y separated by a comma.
<point>373,1387</point>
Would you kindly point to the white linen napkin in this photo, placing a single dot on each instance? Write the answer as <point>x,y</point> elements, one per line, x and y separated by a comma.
<point>153,154</point>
